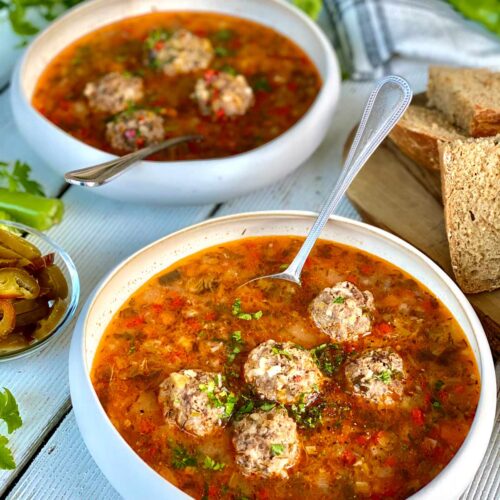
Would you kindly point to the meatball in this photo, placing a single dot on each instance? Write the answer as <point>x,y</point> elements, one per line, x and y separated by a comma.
<point>283,372</point>
<point>343,311</point>
<point>114,92</point>
<point>197,401</point>
<point>177,53</point>
<point>133,130</point>
<point>266,443</point>
<point>221,94</point>
<point>377,375</point>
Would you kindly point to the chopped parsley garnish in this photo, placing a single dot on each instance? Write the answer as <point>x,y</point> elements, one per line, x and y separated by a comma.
<point>247,407</point>
<point>277,450</point>
<point>229,70</point>
<point>436,404</point>
<point>438,385</point>
<point>223,35</point>
<point>385,376</point>
<point>307,417</point>
<point>221,398</point>
<point>234,346</point>
<point>181,458</point>
<point>339,300</point>
<point>157,36</point>
<point>284,266</point>
<point>261,84</point>
<point>211,464</point>
<point>267,406</point>
<point>328,357</point>
<point>281,352</point>
<point>240,314</point>
<point>16,177</point>
<point>221,51</point>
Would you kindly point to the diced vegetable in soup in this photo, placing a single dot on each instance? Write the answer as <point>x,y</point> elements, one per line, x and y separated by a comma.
<point>133,83</point>
<point>359,384</point>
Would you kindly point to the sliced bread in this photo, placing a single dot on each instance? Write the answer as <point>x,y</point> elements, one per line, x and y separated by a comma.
<point>418,132</point>
<point>470,171</point>
<point>469,98</point>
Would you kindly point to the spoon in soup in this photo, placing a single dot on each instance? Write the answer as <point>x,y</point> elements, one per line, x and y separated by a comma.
<point>385,106</point>
<point>97,175</point>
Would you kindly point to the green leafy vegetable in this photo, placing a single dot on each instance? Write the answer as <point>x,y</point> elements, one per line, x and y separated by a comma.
<point>23,199</point>
<point>277,450</point>
<point>19,12</point>
<point>486,12</point>
<point>9,413</point>
<point>181,458</point>
<point>210,464</point>
<point>328,357</point>
<point>311,7</point>
<point>267,406</point>
<point>240,314</point>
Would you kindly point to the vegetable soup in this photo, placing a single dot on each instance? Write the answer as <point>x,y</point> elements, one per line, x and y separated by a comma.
<point>359,384</point>
<point>135,82</point>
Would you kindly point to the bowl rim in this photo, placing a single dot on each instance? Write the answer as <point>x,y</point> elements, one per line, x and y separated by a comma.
<point>332,75</point>
<point>479,433</point>
<point>73,298</point>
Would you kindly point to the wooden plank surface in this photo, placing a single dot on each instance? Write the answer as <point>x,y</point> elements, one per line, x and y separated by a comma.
<point>395,194</point>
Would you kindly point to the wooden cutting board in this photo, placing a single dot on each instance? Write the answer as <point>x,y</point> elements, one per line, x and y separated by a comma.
<point>395,194</point>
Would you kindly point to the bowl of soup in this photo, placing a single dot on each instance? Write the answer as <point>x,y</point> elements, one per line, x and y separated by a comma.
<point>374,379</point>
<point>257,79</point>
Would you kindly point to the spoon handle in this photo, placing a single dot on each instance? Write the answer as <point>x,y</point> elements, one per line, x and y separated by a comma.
<point>385,106</point>
<point>105,172</point>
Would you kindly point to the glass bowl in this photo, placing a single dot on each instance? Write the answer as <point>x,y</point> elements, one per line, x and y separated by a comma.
<point>67,266</point>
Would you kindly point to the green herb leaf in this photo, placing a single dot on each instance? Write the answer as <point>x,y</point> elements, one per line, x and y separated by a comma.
<point>240,314</point>
<point>328,357</point>
<point>267,406</point>
<point>229,70</point>
<point>307,417</point>
<point>385,376</point>
<point>223,35</point>
<point>221,51</point>
<point>339,300</point>
<point>261,84</point>
<point>9,411</point>
<point>279,351</point>
<point>437,404</point>
<point>6,459</point>
<point>182,459</point>
<point>438,385</point>
<point>210,464</point>
<point>157,36</point>
<point>277,450</point>
<point>247,407</point>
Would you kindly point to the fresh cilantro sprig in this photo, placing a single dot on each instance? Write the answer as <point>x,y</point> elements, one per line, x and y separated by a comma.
<point>307,417</point>
<point>277,449</point>
<point>234,346</point>
<point>210,464</point>
<point>9,413</point>
<point>181,458</point>
<point>219,398</point>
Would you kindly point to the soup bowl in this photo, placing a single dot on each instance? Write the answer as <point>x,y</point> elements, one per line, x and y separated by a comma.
<point>126,471</point>
<point>179,182</point>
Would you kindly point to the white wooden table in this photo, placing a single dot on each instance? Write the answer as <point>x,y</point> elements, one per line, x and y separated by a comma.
<point>53,462</point>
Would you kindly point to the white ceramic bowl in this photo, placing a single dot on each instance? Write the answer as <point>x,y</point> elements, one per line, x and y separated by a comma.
<point>180,182</point>
<point>130,476</point>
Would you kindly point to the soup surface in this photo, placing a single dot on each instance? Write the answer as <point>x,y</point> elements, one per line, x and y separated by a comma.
<point>348,444</point>
<point>277,83</point>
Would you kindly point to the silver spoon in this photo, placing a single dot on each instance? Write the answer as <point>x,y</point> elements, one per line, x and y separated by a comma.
<point>98,175</point>
<point>385,106</point>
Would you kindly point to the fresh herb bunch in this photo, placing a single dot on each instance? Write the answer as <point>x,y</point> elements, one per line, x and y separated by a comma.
<point>22,199</point>
<point>19,13</point>
<point>9,413</point>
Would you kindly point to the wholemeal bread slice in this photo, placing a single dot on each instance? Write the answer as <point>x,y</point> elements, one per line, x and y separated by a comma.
<point>469,98</point>
<point>418,132</point>
<point>470,172</point>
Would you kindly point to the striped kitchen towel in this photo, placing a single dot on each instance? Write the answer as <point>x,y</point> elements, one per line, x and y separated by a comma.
<point>369,34</point>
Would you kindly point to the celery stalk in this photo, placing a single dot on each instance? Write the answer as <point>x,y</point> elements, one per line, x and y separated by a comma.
<point>30,209</point>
